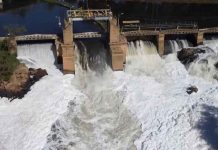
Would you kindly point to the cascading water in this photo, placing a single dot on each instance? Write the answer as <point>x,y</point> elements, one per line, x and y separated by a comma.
<point>212,44</point>
<point>143,59</point>
<point>92,56</point>
<point>206,65</point>
<point>173,46</point>
<point>98,119</point>
<point>38,56</point>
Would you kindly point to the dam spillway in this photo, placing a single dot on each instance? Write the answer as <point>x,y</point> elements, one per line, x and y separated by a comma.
<point>118,36</point>
<point>146,106</point>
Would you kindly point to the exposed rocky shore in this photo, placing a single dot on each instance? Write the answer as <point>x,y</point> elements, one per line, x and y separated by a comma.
<point>20,82</point>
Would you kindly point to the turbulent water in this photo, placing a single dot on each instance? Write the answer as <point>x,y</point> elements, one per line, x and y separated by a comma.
<point>92,55</point>
<point>172,119</point>
<point>173,46</point>
<point>146,107</point>
<point>38,56</point>
<point>101,121</point>
<point>143,59</point>
<point>206,65</point>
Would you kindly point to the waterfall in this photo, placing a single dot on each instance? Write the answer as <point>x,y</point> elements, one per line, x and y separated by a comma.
<point>92,56</point>
<point>98,119</point>
<point>173,46</point>
<point>38,56</point>
<point>143,59</point>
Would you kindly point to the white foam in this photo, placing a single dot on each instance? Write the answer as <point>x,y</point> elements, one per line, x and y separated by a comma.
<point>38,56</point>
<point>155,94</point>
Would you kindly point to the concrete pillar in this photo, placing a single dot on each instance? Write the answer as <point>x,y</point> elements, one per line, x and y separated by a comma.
<point>68,49</point>
<point>68,33</point>
<point>114,31</point>
<point>68,59</point>
<point>117,57</point>
<point>160,43</point>
<point>199,38</point>
<point>1,4</point>
<point>118,46</point>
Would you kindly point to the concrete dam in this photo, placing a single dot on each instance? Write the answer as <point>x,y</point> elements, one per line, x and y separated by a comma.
<point>117,35</point>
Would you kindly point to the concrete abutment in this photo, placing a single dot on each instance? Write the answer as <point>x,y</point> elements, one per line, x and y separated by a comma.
<point>199,38</point>
<point>160,43</point>
<point>67,48</point>
<point>118,46</point>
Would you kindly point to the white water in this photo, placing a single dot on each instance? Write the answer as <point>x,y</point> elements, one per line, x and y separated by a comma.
<point>173,46</point>
<point>38,56</point>
<point>139,57</point>
<point>92,56</point>
<point>105,111</point>
<point>204,66</point>
<point>213,44</point>
<point>98,119</point>
<point>167,113</point>
<point>25,123</point>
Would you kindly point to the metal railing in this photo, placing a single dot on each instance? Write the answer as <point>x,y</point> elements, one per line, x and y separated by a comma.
<point>89,14</point>
<point>155,25</point>
<point>87,35</point>
<point>36,37</point>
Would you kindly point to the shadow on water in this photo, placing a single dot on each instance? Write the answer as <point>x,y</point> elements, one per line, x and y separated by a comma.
<point>208,125</point>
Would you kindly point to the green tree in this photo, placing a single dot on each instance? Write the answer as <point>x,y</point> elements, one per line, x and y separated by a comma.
<point>3,45</point>
<point>8,64</point>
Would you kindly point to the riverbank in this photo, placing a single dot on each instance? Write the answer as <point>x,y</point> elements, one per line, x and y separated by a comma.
<point>20,82</point>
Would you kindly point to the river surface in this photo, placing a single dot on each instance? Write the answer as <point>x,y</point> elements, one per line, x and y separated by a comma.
<point>41,17</point>
<point>38,18</point>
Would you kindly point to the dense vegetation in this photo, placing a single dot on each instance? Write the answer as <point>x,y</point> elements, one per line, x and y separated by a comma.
<point>8,62</point>
<point>3,45</point>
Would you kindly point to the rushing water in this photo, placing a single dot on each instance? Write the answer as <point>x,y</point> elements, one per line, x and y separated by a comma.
<point>206,65</point>
<point>101,121</point>
<point>173,46</point>
<point>162,115</point>
<point>93,55</point>
<point>144,53</point>
<point>38,55</point>
<point>143,59</point>
<point>101,116</point>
